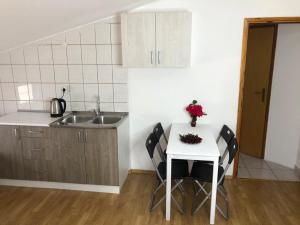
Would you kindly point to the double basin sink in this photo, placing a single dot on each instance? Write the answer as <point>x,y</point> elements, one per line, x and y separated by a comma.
<point>84,119</point>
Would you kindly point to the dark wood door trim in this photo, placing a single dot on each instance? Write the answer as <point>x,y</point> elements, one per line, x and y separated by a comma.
<point>247,23</point>
<point>268,97</point>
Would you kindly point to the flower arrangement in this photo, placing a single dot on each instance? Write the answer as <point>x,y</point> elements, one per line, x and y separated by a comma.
<point>195,110</point>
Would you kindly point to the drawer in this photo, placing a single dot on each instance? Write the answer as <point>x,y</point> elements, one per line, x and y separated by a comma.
<point>34,132</point>
<point>36,149</point>
<point>33,148</point>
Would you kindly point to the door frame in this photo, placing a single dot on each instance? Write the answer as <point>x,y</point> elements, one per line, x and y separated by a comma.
<point>247,23</point>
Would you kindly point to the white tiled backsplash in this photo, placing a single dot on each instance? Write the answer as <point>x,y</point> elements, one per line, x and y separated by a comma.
<point>85,61</point>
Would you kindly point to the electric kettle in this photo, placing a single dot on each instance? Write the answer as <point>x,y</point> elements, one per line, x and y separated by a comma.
<point>57,107</point>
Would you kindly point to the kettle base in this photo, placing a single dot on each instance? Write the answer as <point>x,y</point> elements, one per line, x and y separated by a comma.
<point>56,115</point>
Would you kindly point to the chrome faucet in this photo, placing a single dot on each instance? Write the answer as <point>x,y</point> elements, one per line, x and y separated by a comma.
<point>97,111</point>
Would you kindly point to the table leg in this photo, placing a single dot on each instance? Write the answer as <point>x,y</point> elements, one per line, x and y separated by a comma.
<point>168,187</point>
<point>214,192</point>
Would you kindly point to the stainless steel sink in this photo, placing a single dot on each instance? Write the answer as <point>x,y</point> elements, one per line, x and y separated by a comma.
<point>106,119</point>
<point>73,119</point>
<point>90,120</point>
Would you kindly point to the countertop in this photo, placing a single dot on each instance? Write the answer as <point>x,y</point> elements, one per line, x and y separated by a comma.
<point>41,119</point>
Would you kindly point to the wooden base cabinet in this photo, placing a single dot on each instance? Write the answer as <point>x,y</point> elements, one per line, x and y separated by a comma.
<point>68,155</point>
<point>11,159</point>
<point>38,160</point>
<point>101,154</point>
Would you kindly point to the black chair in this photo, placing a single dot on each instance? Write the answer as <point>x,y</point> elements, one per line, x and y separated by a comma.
<point>179,172</point>
<point>159,132</point>
<point>226,134</point>
<point>202,174</point>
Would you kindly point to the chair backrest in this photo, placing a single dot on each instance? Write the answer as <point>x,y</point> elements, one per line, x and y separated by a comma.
<point>159,132</point>
<point>232,149</point>
<point>226,133</point>
<point>151,143</point>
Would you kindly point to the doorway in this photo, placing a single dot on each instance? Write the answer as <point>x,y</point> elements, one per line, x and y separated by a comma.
<point>257,88</point>
<point>254,87</point>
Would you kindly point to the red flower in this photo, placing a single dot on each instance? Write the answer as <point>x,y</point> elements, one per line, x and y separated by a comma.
<point>195,110</point>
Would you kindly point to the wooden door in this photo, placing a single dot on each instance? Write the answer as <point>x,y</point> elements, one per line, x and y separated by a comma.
<point>138,39</point>
<point>11,160</point>
<point>101,156</point>
<point>69,144</point>
<point>173,39</point>
<point>258,75</point>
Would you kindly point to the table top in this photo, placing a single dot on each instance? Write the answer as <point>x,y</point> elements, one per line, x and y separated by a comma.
<point>207,148</point>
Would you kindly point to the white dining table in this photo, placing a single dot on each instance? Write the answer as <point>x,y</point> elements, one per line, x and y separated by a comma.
<point>206,150</point>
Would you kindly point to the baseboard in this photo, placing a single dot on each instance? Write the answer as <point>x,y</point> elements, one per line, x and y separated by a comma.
<point>136,171</point>
<point>228,177</point>
<point>56,185</point>
<point>297,169</point>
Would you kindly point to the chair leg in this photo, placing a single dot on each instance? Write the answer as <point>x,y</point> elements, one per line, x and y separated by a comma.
<point>180,186</point>
<point>220,190</point>
<point>158,186</point>
<point>200,205</point>
<point>224,195</point>
<point>201,188</point>
<point>152,206</point>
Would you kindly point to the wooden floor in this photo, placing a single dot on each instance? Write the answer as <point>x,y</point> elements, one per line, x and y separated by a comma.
<point>251,202</point>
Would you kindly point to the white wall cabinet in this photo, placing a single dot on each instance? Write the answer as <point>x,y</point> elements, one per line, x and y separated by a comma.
<point>156,39</point>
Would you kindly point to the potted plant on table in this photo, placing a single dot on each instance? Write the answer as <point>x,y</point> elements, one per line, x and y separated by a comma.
<point>195,110</point>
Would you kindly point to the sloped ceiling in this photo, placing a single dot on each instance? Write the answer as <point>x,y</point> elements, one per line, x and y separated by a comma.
<point>23,21</point>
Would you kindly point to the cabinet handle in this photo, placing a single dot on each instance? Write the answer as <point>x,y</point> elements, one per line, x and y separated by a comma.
<point>151,57</point>
<point>16,132</point>
<point>35,132</point>
<point>79,136</point>
<point>158,57</point>
<point>86,137</point>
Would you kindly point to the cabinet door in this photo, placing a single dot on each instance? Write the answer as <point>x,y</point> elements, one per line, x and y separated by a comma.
<point>101,156</point>
<point>173,39</point>
<point>34,156</point>
<point>39,159</point>
<point>138,39</point>
<point>11,161</point>
<point>68,143</point>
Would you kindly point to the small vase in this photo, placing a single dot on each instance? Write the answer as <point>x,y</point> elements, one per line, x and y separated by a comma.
<point>194,121</point>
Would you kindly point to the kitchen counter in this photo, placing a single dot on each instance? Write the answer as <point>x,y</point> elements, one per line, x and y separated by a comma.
<point>41,119</point>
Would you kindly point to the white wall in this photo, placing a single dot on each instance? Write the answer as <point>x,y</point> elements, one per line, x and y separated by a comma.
<point>26,21</point>
<point>298,158</point>
<point>213,79</point>
<point>284,113</point>
<point>85,61</point>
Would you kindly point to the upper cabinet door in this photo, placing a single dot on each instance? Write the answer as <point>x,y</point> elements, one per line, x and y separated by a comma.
<point>138,39</point>
<point>173,39</point>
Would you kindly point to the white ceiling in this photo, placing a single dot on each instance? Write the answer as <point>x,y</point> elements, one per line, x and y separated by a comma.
<point>23,21</point>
